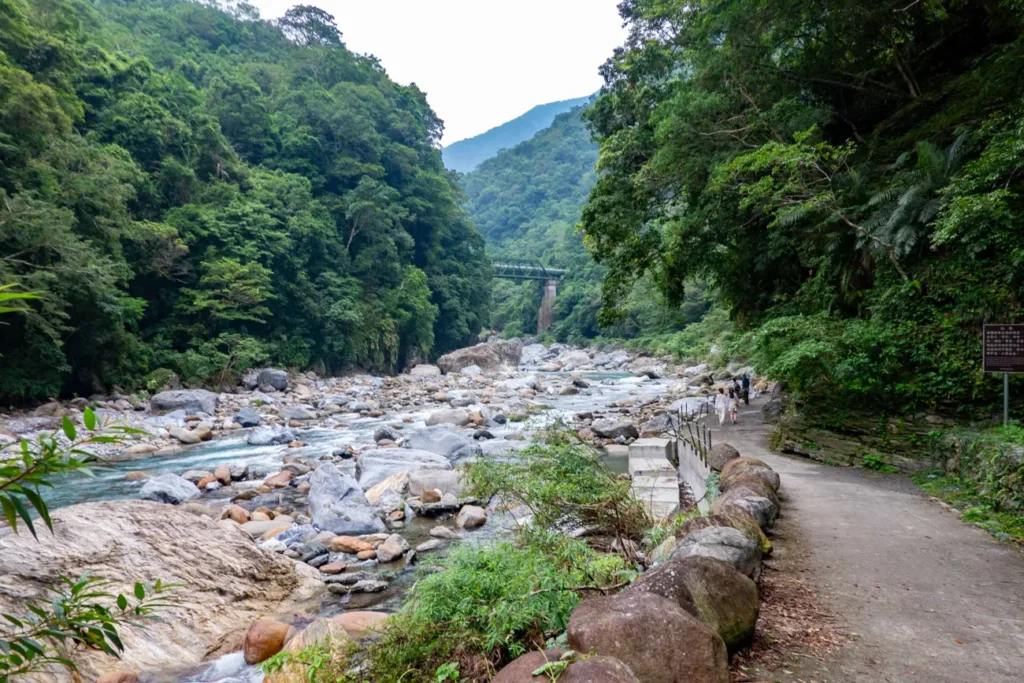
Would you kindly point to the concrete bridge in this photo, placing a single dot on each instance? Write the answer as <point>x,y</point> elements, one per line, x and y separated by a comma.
<point>525,270</point>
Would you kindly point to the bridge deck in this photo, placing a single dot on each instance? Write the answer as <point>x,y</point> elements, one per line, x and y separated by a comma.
<point>511,270</point>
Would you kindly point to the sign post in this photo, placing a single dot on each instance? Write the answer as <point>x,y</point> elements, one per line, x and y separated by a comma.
<point>1004,352</point>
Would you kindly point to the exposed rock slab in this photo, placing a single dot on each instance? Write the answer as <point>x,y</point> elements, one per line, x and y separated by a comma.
<point>496,356</point>
<point>227,582</point>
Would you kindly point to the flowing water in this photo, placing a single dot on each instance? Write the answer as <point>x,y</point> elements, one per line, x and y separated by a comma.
<point>109,484</point>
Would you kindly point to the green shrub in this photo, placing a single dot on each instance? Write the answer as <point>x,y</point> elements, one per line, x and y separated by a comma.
<point>486,606</point>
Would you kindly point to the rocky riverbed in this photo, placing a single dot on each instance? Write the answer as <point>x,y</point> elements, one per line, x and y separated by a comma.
<point>348,479</point>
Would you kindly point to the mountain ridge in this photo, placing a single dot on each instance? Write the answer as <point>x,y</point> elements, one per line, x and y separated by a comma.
<point>465,155</point>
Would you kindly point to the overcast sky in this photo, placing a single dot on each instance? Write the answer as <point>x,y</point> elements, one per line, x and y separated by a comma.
<point>481,62</point>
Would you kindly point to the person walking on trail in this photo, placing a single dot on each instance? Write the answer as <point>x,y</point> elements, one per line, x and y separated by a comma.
<point>721,405</point>
<point>734,406</point>
<point>746,389</point>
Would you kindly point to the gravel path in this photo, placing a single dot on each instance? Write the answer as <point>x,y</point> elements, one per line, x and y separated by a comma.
<point>924,596</point>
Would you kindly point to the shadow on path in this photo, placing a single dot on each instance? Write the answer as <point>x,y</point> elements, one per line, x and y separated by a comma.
<point>924,596</point>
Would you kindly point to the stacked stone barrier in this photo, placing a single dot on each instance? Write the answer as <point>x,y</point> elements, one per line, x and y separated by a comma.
<point>683,617</point>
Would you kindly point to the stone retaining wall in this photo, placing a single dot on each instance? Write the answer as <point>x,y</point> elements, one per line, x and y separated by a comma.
<point>693,475</point>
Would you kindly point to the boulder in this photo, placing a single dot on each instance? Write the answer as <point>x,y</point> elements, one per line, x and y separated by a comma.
<point>387,433</point>
<point>298,412</point>
<point>424,370</point>
<point>393,548</point>
<point>712,591</point>
<point>471,517</point>
<point>471,371</point>
<point>169,488</point>
<point>274,378</point>
<point>185,436</point>
<point>222,473</point>
<point>720,454</point>
<point>348,544</point>
<point>595,669</point>
<point>264,639</point>
<point>495,356</point>
<point>444,440</point>
<point>734,470</point>
<point>190,400</point>
<point>375,466</point>
<point>338,504</point>
<point>448,416</point>
<point>725,544</point>
<point>614,428</point>
<point>270,436</point>
<point>358,623</point>
<point>319,631</point>
<point>656,638</point>
<point>517,384</point>
<point>737,519</point>
<point>195,476</point>
<point>226,582</point>
<point>762,509</point>
<point>659,424</point>
<point>574,359</point>
<point>398,483</point>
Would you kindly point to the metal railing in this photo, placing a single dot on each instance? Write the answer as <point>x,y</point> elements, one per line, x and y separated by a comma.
<point>524,270</point>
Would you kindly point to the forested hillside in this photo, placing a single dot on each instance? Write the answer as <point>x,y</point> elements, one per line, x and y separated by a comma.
<point>465,155</point>
<point>526,201</point>
<point>198,191</point>
<point>846,174</point>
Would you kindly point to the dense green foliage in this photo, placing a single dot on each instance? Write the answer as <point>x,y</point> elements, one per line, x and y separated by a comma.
<point>198,190</point>
<point>465,155</point>
<point>983,476</point>
<point>846,174</point>
<point>526,202</point>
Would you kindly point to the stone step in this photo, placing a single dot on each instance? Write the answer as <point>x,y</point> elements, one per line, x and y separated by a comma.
<point>658,481</point>
<point>655,466</point>
<point>659,449</point>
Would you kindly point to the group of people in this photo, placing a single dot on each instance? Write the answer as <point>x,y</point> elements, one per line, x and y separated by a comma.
<point>729,403</point>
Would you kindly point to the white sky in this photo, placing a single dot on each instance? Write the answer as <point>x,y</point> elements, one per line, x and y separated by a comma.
<point>481,62</point>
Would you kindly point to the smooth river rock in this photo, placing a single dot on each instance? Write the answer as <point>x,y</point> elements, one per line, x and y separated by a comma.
<point>169,488</point>
<point>338,504</point>
<point>190,400</point>
<point>227,583</point>
<point>377,465</point>
<point>446,440</point>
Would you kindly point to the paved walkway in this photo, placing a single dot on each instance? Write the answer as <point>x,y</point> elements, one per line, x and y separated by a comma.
<point>929,597</point>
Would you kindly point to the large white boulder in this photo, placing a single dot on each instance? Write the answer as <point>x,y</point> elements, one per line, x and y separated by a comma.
<point>226,581</point>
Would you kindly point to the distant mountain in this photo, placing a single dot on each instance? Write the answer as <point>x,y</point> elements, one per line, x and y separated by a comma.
<point>466,155</point>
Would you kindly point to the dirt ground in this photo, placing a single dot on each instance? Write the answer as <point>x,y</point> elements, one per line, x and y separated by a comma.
<point>873,581</point>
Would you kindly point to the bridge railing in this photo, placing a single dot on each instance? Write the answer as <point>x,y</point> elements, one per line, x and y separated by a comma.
<point>517,270</point>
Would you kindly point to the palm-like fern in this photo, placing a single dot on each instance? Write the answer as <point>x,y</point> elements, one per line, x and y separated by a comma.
<point>903,210</point>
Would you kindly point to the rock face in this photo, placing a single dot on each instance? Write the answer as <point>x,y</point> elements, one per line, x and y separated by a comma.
<point>658,640</point>
<point>227,582</point>
<point>275,378</point>
<point>338,504</point>
<point>444,440</point>
<point>496,356</point>
<point>720,455</point>
<point>595,669</point>
<point>375,466</point>
<point>189,400</point>
<point>724,544</point>
<point>169,488</point>
<point>712,591</point>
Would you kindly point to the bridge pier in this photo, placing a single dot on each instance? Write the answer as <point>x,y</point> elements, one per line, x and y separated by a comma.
<point>546,315</point>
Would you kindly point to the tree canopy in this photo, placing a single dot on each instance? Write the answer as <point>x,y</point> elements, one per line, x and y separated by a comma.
<point>845,174</point>
<point>194,188</point>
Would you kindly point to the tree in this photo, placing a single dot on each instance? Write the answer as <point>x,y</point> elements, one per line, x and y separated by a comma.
<point>308,25</point>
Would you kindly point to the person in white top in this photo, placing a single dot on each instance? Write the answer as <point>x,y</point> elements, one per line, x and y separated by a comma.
<point>721,405</point>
